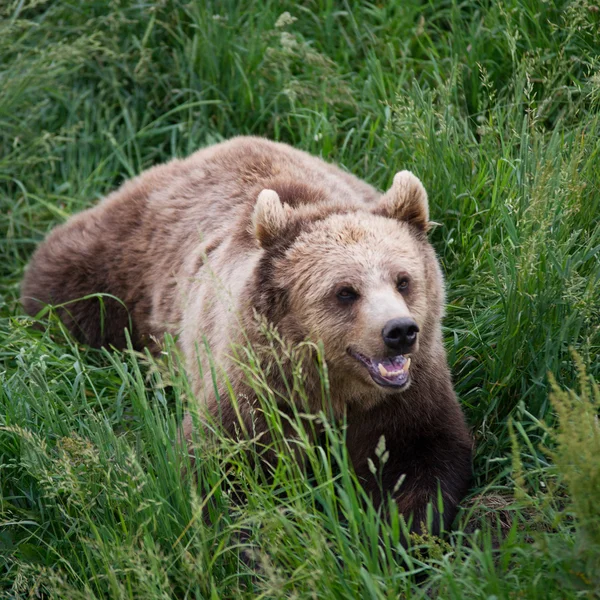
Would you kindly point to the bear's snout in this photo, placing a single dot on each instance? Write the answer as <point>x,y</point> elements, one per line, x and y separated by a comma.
<point>400,334</point>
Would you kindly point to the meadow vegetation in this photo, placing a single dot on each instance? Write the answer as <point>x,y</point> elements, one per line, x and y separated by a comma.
<point>495,106</point>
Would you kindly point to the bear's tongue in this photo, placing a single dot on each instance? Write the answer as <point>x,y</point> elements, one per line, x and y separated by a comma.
<point>391,371</point>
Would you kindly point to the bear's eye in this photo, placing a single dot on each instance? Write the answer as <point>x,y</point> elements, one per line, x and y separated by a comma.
<point>347,294</point>
<point>402,284</point>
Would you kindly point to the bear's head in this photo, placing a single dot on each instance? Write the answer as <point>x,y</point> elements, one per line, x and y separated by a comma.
<point>364,281</point>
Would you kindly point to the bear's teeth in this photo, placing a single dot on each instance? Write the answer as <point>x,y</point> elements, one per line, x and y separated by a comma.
<point>385,373</point>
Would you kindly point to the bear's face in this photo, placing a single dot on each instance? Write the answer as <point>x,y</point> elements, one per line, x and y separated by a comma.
<point>365,284</point>
<point>358,283</point>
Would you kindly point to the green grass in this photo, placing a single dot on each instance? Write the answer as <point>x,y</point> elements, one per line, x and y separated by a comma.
<point>495,106</point>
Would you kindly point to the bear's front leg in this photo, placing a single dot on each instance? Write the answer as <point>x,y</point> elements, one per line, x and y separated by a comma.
<point>416,470</point>
<point>434,464</point>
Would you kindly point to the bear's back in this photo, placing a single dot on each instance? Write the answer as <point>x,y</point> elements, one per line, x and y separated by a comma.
<point>213,182</point>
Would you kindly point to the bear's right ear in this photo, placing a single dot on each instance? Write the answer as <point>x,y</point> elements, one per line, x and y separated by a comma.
<point>269,218</point>
<point>406,201</point>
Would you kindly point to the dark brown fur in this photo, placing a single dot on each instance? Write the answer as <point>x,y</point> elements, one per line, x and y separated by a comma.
<point>157,241</point>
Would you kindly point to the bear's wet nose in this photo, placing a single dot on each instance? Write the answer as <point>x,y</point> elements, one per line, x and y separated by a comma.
<point>400,334</point>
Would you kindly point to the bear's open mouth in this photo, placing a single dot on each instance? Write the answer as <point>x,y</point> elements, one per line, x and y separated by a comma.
<point>389,372</point>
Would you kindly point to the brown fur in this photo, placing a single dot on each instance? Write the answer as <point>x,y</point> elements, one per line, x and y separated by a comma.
<point>197,247</point>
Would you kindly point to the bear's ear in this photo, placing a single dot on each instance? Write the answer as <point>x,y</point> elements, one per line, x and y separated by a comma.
<point>269,217</point>
<point>406,201</point>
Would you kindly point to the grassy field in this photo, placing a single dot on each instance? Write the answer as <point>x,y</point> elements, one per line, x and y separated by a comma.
<point>495,106</point>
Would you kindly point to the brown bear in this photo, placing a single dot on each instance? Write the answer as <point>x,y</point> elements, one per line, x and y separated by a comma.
<point>249,231</point>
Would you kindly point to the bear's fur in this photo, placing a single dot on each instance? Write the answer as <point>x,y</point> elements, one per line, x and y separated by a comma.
<point>250,228</point>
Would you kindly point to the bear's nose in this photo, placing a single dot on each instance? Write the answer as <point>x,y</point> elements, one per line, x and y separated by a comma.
<point>400,334</point>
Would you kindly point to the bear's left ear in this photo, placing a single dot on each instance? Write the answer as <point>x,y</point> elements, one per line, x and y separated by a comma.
<point>269,218</point>
<point>406,201</point>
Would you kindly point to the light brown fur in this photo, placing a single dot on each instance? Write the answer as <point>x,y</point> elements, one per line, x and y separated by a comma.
<point>198,247</point>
